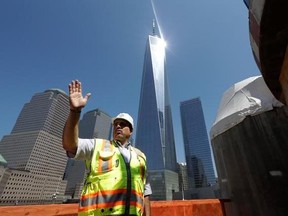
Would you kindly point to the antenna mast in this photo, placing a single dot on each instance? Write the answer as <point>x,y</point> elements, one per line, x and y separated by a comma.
<point>153,25</point>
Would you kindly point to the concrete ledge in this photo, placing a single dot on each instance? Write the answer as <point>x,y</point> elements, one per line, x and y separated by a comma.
<point>207,207</point>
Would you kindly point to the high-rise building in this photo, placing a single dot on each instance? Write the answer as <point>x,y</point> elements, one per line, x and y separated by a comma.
<point>34,148</point>
<point>94,124</point>
<point>196,144</point>
<point>154,134</point>
<point>183,177</point>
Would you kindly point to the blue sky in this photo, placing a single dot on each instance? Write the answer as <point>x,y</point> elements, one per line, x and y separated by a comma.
<point>46,43</point>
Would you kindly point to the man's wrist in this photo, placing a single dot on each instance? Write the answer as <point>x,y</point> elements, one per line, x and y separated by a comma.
<point>75,110</point>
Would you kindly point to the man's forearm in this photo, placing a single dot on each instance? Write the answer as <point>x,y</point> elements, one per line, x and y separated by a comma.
<point>70,132</point>
<point>147,206</point>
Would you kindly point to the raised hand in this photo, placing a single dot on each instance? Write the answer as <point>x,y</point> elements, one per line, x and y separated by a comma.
<point>76,99</point>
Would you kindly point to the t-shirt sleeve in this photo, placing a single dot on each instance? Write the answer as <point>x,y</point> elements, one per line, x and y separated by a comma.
<point>147,189</point>
<point>84,150</point>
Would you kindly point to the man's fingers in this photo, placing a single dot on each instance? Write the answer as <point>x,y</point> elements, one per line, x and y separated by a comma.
<point>87,96</point>
<point>78,86</point>
<point>70,86</point>
<point>75,86</point>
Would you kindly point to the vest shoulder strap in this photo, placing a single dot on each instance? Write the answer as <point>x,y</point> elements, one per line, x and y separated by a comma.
<point>98,145</point>
<point>138,152</point>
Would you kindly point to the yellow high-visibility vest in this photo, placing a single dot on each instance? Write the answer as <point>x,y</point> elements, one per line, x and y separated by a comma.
<point>113,187</point>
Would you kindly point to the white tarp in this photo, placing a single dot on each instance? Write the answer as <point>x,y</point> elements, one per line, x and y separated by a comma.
<point>248,97</point>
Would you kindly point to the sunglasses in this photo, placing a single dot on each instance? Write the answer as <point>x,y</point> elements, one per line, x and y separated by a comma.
<point>122,124</point>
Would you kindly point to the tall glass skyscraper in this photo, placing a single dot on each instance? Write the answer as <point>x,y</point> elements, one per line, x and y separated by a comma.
<point>154,134</point>
<point>196,144</point>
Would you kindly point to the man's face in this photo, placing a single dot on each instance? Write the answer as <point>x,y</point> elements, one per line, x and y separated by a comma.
<point>121,130</point>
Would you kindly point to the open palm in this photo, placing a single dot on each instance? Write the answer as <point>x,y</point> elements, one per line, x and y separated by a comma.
<point>75,95</point>
<point>77,100</point>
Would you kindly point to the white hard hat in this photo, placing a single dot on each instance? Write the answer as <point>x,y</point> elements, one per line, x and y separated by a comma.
<point>126,117</point>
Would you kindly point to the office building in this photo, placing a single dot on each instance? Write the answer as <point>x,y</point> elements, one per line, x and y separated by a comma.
<point>34,152</point>
<point>196,144</point>
<point>183,176</point>
<point>94,124</point>
<point>154,134</point>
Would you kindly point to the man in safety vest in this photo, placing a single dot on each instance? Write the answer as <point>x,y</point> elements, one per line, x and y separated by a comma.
<point>116,179</point>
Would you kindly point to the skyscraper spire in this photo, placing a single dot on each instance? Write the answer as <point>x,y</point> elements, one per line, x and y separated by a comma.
<point>153,27</point>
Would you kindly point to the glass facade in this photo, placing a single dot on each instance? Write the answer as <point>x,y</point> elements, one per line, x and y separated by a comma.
<point>196,143</point>
<point>155,134</point>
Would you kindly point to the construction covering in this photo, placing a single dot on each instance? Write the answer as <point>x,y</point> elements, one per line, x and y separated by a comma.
<point>246,98</point>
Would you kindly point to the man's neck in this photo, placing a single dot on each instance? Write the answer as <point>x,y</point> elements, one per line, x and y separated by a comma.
<point>123,144</point>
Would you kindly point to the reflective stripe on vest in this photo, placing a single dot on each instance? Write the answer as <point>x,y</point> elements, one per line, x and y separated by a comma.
<point>105,191</point>
<point>105,154</point>
<point>108,199</point>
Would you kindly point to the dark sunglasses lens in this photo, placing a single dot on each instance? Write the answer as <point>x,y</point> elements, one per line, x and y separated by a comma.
<point>122,124</point>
